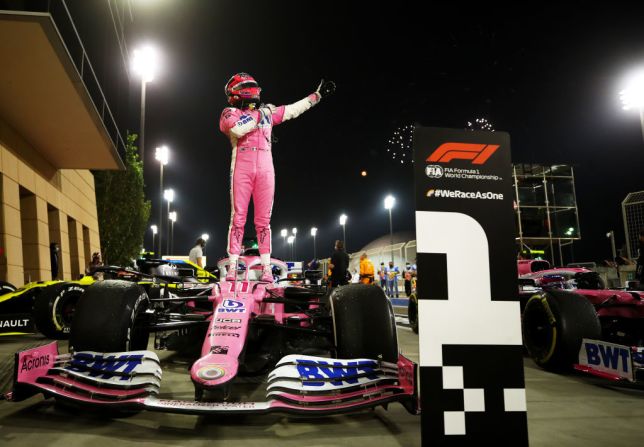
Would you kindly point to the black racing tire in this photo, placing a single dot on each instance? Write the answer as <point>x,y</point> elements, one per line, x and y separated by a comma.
<point>6,287</point>
<point>109,318</point>
<point>54,309</point>
<point>363,323</point>
<point>412,312</point>
<point>554,324</point>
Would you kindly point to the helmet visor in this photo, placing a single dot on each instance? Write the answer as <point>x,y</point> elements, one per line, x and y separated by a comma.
<point>244,85</point>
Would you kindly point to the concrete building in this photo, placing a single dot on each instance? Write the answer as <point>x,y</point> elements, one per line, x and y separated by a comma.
<point>55,125</point>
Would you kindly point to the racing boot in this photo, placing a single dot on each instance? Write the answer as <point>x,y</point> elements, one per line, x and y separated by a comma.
<point>231,275</point>
<point>267,274</point>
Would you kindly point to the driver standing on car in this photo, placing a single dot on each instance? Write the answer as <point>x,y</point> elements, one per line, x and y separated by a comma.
<point>248,125</point>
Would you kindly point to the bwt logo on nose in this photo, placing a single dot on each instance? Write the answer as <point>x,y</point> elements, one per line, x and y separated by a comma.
<point>478,153</point>
<point>232,306</point>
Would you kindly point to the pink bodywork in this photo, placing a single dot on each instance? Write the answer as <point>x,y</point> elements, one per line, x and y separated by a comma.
<point>608,302</point>
<point>235,304</point>
<point>615,303</point>
<point>525,266</point>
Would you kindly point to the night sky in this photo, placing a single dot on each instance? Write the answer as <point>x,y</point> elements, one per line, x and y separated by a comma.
<point>549,77</point>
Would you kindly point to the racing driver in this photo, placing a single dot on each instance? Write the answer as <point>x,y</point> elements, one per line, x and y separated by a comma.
<point>248,125</point>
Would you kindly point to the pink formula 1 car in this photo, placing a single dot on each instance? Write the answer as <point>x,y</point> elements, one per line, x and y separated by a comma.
<point>571,320</point>
<point>319,354</point>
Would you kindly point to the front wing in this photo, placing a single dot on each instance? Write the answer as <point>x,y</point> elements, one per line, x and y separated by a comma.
<point>132,381</point>
<point>613,362</point>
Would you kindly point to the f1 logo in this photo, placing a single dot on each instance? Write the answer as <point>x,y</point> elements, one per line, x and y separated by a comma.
<point>478,153</point>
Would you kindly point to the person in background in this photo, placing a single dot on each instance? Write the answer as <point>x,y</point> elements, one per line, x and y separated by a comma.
<point>409,275</point>
<point>366,270</point>
<point>339,265</point>
<point>383,276</point>
<point>392,279</point>
<point>54,250</point>
<point>355,277</point>
<point>96,261</point>
<point>196,253</point>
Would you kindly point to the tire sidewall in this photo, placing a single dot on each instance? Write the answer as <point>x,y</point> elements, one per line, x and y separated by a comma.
<point>364,325</point>
<point>107,315</point>
<point>47,305</point>
<point>571,319</point>
<point>134,334</point>
<point>543,306</point>
<point>67,293</point>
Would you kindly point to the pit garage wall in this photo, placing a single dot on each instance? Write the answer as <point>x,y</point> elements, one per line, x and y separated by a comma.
<point>39,205</point>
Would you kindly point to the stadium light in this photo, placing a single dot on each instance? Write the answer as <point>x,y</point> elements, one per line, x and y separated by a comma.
<point>390,201</point>
<point>145,62</point>
<point>632,96</point>
<point>162,154</point>
<point>314,232</point>
<point>343,222</point>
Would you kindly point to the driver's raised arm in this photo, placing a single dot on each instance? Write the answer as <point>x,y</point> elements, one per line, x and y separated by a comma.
<point>290,111</point>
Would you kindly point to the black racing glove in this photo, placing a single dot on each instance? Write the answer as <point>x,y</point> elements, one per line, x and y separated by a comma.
<point>325,88</point>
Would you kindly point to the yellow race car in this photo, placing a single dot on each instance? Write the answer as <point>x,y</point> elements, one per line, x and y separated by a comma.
<point>48,306</point>
<point>45,305</point>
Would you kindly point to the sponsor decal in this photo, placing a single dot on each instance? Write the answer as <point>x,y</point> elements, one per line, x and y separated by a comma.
<point>214,405</point>
<point>338,371</point>
<point>607,357</point>
<point>244,119</point>
<point>228,320</point>
<point>35,362</point>
<point>211,372</point>
<point>226,327</point>
<point>105,366</point>
<point>20,323</point>
<point>232,306</point>
<point>456,194</point>
<point>478,153</point>
<point>219,350</point>
<point>224,334</point>
<point>434,171</point>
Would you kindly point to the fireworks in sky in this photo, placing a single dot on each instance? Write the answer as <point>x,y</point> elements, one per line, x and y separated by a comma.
<point>399,146</point>
<point>480,124</point>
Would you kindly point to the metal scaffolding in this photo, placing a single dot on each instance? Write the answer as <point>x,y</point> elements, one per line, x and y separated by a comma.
<point>633,214</point>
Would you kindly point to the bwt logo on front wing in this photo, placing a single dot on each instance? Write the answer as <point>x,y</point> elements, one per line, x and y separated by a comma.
<point>477,195</point>
<point>478,153</point>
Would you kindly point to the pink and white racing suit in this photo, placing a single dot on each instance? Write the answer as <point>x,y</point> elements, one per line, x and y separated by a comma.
<point>251,168</point>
